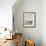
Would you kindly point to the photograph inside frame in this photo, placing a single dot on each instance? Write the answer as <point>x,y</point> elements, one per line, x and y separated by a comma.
<point>29,19</point>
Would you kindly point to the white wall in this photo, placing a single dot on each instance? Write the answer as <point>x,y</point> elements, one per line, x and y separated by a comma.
<point>38,34</point>
<point>29,6</point>
<point>6,13</point>
<point>43,22</point>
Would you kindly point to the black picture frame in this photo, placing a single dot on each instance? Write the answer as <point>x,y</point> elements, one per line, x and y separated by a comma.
<point>29,19</point>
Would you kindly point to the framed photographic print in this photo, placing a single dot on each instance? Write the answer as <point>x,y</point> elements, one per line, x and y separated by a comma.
<point>29,19</point>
